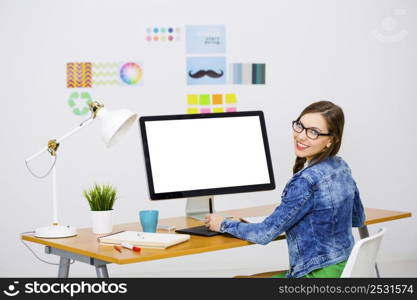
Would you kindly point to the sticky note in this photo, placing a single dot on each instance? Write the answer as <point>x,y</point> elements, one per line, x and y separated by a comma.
<point>218,109</point>
<point>231,109</point>
<point>217,99</point>
<point>205,110</point>
<point>204,99</point>
<point>192,99</point>
<point>230,98</point>
<point>192,110</point>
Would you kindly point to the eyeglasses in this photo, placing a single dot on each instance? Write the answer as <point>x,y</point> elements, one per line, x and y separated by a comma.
<point>311,133</point>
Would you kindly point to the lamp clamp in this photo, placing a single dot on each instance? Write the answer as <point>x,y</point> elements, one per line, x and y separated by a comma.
<point>53,147</point>
<point>94,108</point>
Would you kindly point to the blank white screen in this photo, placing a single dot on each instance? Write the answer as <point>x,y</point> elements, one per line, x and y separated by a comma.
<point>207,153</point>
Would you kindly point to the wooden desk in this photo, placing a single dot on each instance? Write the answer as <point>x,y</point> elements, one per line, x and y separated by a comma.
<point>85,248</point>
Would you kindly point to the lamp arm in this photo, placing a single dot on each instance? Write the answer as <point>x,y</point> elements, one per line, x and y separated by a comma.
<point>82,125</point>
<point>55,143</point>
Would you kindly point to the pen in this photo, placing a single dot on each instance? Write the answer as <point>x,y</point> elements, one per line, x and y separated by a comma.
<point>131,247</point>
<point>117,248</point>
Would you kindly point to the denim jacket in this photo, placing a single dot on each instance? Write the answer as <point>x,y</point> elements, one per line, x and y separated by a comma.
<point>319,206</point>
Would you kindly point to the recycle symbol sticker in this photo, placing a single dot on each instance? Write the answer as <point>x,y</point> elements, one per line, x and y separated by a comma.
<point>79,103</point>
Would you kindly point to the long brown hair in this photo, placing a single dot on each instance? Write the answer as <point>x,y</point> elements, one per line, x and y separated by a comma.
<point>335,120</point>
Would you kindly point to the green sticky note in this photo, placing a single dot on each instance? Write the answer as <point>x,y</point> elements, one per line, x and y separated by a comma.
<point>192,99</point>
<point>204,99</point>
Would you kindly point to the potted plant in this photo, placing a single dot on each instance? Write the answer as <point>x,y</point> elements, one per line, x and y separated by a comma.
<point>101,200</point>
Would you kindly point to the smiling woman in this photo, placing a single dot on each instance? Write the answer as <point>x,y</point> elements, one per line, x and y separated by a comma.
<point>318,133</point>
<point>320,204</point>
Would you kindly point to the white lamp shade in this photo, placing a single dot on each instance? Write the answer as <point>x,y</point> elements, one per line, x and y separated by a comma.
<point>114,123</point>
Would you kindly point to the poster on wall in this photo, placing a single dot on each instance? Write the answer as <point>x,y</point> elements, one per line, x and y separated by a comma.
<point>163,34</point>
<point>78,103</point>
<point>247,73</point>
<point>92,74</point>
<point>208,39</point>
<point>206,70</point>
<point>79,74</point>
<point>118,73</point>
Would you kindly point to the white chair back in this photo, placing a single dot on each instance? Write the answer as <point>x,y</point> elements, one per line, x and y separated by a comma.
<point>361,262</point>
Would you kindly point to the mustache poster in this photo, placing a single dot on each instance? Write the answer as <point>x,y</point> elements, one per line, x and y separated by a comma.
<point>206,70</point>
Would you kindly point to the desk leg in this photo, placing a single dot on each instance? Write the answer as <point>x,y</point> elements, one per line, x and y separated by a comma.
<point>66,256</point>
<point>364,233</point>
<point>102,271</point>
<point>64,265</point>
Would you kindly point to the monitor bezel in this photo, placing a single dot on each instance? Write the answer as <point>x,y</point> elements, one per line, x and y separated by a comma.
<point>211,191</point>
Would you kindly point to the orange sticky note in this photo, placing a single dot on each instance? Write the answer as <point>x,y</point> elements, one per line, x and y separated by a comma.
<point>217,99</point>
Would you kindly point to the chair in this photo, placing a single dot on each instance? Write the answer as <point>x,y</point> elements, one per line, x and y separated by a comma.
<point>361,262</point>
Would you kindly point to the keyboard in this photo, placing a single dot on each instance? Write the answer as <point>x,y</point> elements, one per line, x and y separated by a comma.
<point>199,230</point>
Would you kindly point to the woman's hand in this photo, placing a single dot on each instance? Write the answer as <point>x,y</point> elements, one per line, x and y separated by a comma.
<point>213,221</point>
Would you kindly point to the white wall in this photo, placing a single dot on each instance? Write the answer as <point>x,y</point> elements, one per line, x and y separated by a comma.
<point>312,49</point>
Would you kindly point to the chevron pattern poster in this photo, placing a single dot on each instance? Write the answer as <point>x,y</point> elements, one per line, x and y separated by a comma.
<point>79,75</point>
<point>117,74</point>
<point>106,74</point>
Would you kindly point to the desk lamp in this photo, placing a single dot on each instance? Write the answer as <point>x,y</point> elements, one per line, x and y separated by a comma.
<point>113,125</point>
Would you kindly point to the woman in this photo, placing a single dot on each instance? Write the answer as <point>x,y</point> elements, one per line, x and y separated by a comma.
<point>319,205</point>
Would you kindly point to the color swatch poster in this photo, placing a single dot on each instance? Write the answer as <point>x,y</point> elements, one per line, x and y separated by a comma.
<point>205,39</point>
<point>247,73</point>
<point>206,70</point>
<point>163,34</point>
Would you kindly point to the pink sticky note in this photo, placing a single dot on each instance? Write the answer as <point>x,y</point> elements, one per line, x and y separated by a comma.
<point>231,109</point>
<point>205,110</point>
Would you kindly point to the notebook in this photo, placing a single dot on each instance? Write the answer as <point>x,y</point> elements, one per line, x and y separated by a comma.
<point>145,239</point>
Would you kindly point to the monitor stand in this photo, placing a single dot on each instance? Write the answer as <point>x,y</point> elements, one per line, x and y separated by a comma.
<point>198,207</point>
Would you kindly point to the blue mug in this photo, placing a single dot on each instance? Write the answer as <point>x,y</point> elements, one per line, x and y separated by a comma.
<point>148,220</point>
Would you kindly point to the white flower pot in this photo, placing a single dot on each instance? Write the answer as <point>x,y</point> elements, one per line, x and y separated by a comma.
<point>102,221</point>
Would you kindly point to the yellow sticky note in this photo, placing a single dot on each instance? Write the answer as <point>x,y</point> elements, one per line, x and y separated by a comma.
<point>192,110</point>
<point>218,109</point>
<point>231,98</point>
<point>192,99</point>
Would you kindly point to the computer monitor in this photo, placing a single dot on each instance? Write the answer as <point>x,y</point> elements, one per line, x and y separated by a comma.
<point>197,156</point>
